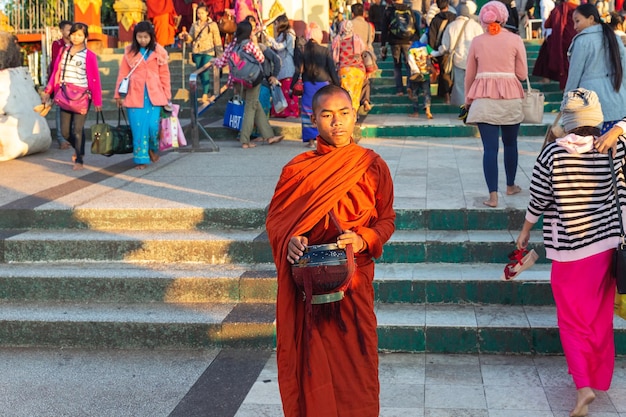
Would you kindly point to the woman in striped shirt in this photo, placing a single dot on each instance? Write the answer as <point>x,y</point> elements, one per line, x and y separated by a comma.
<point>572,187</point>
<point>78,66</point>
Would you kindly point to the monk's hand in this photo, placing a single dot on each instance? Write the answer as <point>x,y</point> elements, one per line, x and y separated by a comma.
<point>296,247</point>
<point>358,243</point>
<point>608,140</point>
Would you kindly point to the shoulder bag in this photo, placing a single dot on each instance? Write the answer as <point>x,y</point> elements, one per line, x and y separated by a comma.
<point>449,62</point>
<point>123,88</point>
<point>532,105</point>
<point>123,135</point>
<point>70,97</point>
<point>619,258</point>
<point>101,135</point>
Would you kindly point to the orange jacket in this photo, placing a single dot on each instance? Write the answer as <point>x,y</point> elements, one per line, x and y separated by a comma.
<point>153,73</point>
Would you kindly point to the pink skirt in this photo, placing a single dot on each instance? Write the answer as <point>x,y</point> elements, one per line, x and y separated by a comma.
<point>584,292</point>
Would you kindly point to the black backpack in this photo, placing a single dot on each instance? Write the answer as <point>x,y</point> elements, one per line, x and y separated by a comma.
<point>402,24</point>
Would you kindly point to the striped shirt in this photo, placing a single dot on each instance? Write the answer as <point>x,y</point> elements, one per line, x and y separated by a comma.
<point>574,192</point>
<point>73,68</point>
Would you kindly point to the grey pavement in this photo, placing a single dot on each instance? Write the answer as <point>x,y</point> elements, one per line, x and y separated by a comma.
<point>428,173</point>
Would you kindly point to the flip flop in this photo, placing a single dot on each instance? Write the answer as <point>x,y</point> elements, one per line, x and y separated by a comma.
<point>520,260</point>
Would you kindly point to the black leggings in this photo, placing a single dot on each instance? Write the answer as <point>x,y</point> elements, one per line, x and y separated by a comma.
<point>72,125</point>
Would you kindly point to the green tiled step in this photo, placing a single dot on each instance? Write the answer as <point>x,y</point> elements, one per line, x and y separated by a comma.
<point>235,246</point>
<point>438,129</point>
<point>387,79</point>
<point>402,105</point>
<point>137,326</point>
<point>238,219</point>
<point>378,88</point>
<point>127,282</point>
<point>401,327</point>
<point>385,99</point>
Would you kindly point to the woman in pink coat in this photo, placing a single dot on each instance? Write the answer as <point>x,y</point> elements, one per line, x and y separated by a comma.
<point>148,91</point>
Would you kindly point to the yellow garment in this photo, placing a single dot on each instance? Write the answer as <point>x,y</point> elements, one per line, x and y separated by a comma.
<point>352,81</point>
<point>276,10</point>
<point>620,305</point>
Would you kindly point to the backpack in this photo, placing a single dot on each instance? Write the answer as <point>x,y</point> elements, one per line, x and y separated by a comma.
<point>244,68</point>
<point>402,24</point>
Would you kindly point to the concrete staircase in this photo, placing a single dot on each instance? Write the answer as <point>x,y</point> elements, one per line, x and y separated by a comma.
<point>123,277</point>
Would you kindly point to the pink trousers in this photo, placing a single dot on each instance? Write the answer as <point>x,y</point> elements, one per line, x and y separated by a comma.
<point>584,292</point>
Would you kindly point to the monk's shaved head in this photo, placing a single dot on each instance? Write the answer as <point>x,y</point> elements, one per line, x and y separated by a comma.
<point>328,90</point>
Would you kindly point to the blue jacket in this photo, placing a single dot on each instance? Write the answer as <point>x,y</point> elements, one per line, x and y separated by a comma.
<point>589,68</point>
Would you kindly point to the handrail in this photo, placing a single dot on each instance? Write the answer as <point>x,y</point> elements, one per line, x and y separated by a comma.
<point>195,127</point>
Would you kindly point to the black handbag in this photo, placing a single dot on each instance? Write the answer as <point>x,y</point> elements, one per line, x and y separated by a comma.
<point>101,135</point>
<point>123,136</point>
<point>619,258</point>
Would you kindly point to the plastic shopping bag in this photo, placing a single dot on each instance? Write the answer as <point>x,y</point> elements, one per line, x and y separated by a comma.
<point>171,132</point>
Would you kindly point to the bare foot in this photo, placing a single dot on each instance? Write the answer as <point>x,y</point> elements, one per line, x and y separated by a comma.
<point>153,156</point>
<point>64,145</point>
<point>248,145</point>
<point>584,397</point>
<point>142,166</point>
<point>513,189</point>
<point>493,200</point>
<point>78,167</point>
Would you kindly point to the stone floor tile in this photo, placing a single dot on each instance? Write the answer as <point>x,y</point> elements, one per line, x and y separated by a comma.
<point>618,398</point>
<point>263,392</point>
<point>454,412</point>
<point>518,360</point>
<point>395,271</point>
<point>501,316</point>
<point>402,395</point>
<point>405,367</point>
<point>453,375</point>
<point>516,398</point>
<point>563,413</point>
<point>442,359</point>
<point>553,371</point>
<point>562,398</point>
<point>510,375</point>
<point>260,410</point>
<point>455,396</point>
<point>519,413</point>
<point>447,236</point>
<point>401,412</point>
<point>541,316</point>
<point>453,316</point>
<point>401,314</point>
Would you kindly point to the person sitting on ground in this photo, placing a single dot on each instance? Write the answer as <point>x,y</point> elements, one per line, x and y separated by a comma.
<point>339,193</point>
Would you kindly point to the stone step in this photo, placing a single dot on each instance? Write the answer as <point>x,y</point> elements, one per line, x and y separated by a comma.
<point>401,327</point>
<point>151,325</point>
<point>158,282</point>
<point>246,246</point>
<point>389,89</point>
<point>192,218</point>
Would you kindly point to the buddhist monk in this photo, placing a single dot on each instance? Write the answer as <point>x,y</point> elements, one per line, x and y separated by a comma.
<point>328,363</point>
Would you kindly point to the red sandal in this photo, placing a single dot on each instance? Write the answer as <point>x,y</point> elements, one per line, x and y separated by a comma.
<point>520,260</point>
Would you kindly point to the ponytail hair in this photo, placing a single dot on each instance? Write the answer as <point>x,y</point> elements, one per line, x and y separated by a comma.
<point>610,39</point>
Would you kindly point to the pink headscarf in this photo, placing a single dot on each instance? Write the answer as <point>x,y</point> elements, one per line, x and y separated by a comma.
<point>346,32</point>
<point>494,11</point>
<point>313,31</point>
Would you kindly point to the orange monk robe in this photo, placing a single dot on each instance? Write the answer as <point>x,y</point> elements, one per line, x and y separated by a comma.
<point>356,184</point>
<point>162,14</point>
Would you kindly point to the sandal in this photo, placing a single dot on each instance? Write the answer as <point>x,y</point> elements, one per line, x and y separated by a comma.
<point>520,260</point>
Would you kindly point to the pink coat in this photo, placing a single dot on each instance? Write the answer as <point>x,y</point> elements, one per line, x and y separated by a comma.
<point>495,66</point>
<point>93,77</point>
<point>153,73</point>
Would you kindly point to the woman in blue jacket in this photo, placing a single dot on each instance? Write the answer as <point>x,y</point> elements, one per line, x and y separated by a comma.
<point>597,60</point>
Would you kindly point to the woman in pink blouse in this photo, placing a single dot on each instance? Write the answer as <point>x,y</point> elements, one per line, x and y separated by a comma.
<point>496,63</point>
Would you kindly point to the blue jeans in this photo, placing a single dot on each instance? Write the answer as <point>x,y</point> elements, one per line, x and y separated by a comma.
<point>490,135</point>
<point>201,60</point>
<point>420,89</point>
<point>399,54</point>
